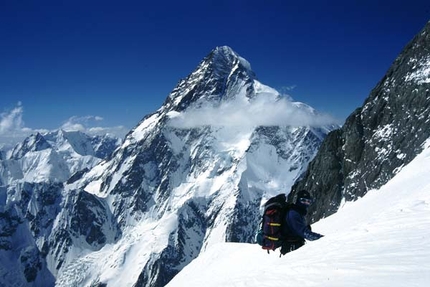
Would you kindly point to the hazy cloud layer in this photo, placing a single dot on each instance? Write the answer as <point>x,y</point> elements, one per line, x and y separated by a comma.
<point>90,125</point>
<point>13,129</point>
<point>259,112</point>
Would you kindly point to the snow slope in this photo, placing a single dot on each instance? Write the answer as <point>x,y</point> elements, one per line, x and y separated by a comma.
<point>382,239</point>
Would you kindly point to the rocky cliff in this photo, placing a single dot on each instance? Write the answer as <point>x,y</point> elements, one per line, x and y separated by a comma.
<point>378,138</point>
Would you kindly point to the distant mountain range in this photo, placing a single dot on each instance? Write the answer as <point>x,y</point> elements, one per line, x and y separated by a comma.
<point>54,156</point>
<point>32,178</point>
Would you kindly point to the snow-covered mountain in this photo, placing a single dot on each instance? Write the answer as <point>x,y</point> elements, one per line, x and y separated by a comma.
<point>32,178</point>
<point>188,176</point>
<point>381,239</point>
<point>377,139</point>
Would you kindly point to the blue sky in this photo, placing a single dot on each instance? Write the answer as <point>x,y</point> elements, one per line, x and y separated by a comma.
<point>109,63</point>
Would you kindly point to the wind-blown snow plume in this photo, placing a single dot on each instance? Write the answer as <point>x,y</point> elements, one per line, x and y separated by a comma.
<point>268,108</point>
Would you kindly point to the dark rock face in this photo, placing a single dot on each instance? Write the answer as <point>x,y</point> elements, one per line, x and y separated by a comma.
<point>9,222</point>
<point>22,260</point>
<point>88,217</point>
<point>31,263</point>
<point>104,146</point>
<point>377,139</point>
<point>85,221</point>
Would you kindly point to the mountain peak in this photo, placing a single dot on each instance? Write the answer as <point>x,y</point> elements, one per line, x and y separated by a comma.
<point>224,59</point>
<point>226,55</point>
<point>224,51</point>
<point>35,142</point>
<point>220,75</point>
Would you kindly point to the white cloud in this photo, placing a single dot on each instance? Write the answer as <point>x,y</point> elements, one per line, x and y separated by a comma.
<point>80,123</point>
<point>11,120</point>
<point>287,88</point>
<point>12,128</point>
<point>261,111</point>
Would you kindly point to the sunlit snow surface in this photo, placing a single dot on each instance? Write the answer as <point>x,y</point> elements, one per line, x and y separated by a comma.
<point>119,264</point>
<point>383,239</point>
<point>421,71</point>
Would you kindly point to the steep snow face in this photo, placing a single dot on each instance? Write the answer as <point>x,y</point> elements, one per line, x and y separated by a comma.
<point>381,239</point>
<point>191,175</point>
